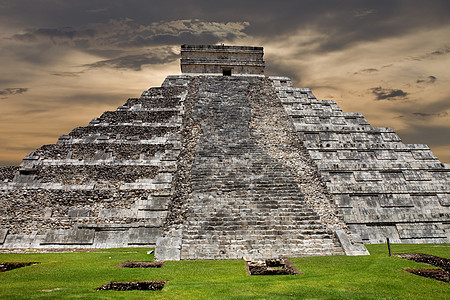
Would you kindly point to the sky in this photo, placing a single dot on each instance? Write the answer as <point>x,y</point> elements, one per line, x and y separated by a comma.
<point>63,63</point>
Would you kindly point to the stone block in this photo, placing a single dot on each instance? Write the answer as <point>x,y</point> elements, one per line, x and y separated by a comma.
<point>144,235</point>
<point>69,237</point>
<point>152,214</point>
<point>78,213</point>
<point>348,155</point>
<point>444,199</point>
<point>421,230</point>
<point>351,246</point>
<point>385,154</point>
<point>395,200</point>
<point>18,241</point>
<point>375,234</point>
<point>112,238</point>
<point>169,246</point>
<point>367,176</point>
<point>423,155</point>
<point>343,200</point>
<point>48,213</point>
<point>154,203</point>
<point>416,175</point>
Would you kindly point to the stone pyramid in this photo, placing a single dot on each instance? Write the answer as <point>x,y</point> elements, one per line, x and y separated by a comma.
<point>223,162</point>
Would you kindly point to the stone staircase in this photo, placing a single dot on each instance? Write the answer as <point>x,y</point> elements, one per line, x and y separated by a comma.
<point>108,184</point>
<point>382,187</point>
<point>243,203</point>
<point>220,167</point>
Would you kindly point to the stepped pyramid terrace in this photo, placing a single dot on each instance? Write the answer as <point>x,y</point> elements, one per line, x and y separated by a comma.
<point>223,162</point>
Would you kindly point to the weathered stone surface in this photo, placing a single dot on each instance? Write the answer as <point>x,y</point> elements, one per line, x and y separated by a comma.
<point>7,173</point>
<point>220,59</point>
<point>69,237</point>
<point>169,246</point>
<point>382,187</point>
<point>243,202</point>
<point>352,245</point>
<point>108,184</point>
<point>210,166</point>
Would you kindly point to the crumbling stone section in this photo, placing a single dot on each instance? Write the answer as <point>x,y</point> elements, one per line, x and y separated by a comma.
<point>141,264</point>
<point>440,262</point>
<point>109,176</point>
<point>382,187</point>
<point>190,134</point>
<point>442,274</point>
<point>108,184</point>
<point>243,202</point>
<point>25,211</point>
<point>123,131</point>
<point>272,266</point>
<point>8,266</point>
<point>7,173</point>
<point>273,131</point>
<point>87,151</point>
<point>163,94</point>
<point>133,286</point>
<point>117,117</point>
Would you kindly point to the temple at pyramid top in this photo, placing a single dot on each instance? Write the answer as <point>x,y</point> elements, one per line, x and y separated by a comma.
<point>221,59</point>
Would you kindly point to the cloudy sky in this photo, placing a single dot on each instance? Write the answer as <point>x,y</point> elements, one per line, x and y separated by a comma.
<point>64,62</point>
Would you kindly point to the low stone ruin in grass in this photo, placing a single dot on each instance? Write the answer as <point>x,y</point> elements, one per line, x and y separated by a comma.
<point>133,286</point>
<point>441,274</point>
<point>141,264</point>
<point>7,266</point>
<point>273,266</point>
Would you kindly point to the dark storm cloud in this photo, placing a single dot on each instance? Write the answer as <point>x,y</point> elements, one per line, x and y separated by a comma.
<point>12,91</point>
<point>274,69</point>
<point>135,62</point>
<point>125,33</point>
<point>343,23</point>
<point>111,99</point>
<point>388,94</point>
<point>367,71</point>
<point>97,10</point>
<point>433,54</point>
<point>67,74</point>
<point>364,12</point>
<point>425,109</point>
<point>421,134</point>
<point>54,34</point>
<point>440,52</point>
<point>429,79</point>
<point>431,115</point>
<point>176,39</point>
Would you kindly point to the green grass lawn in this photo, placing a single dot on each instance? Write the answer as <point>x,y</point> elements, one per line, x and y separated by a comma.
<point>76,275</point>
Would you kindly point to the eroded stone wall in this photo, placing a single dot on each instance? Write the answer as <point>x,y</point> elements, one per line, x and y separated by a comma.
<point>272,129</point>
<point>108,184</point>
<point>210,59</point>
<point>8,173</point>
<point>382,187</point>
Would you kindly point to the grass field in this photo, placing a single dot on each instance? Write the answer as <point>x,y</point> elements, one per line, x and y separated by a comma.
<point>76,275</point>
